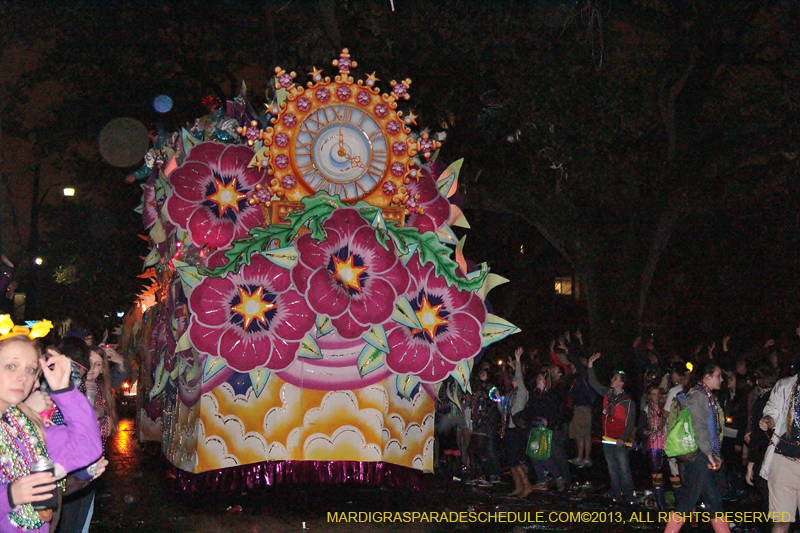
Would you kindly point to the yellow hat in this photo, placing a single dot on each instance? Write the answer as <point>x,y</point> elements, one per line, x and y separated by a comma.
<point>9,329</point>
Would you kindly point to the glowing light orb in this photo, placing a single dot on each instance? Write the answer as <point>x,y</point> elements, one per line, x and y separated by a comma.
<point>162,103</point>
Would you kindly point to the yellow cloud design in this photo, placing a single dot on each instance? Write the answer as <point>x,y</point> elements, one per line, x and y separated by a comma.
<point>290,423</point>
<point>346,444</point>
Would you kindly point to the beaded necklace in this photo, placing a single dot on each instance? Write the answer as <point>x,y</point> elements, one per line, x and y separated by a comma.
<point>16,429</point>
<point>796,407</point>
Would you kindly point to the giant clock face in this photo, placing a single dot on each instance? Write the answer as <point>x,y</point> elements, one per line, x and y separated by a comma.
<point>340,149</point>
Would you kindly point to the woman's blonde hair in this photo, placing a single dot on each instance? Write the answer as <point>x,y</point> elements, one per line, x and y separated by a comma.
<point>24,409</point>
<point>104,381</point>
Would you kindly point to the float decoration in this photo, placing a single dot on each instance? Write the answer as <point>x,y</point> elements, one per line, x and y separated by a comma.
<point>311,293</point>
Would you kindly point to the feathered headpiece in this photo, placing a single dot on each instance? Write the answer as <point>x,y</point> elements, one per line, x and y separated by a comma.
<point>212,101</point>
<point>9,329</point>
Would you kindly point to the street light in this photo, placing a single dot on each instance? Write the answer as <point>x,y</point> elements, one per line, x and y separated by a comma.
<point>37,201</point>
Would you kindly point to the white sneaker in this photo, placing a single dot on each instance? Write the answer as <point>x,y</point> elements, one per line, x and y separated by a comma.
<point>575,461</point>
<point>586,464</point>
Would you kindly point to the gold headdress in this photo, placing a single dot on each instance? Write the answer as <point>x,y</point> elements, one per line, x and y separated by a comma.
<point>9,329</point>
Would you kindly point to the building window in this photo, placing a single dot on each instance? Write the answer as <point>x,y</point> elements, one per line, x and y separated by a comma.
<point>564,285</point>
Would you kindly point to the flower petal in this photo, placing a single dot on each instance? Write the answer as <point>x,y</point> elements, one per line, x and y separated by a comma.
<point>366,245</point>
<point>206,228</point>
<point>243,352</point>
<point>437,370</point>
<point>204,339</point>
<point>398,277</point>
<point>294,318</point>
<point>462,339</point>
<point>325,295</point>
<point>189,181</point>
<point>210,301</point>
<point>406,356</point>
<point>207,153</point>
<point>347,221</point>
<point>233,163</point>
<point>283,354</point>
<point>268,274</point>
<point>347,327</point>
<point>375,305</point>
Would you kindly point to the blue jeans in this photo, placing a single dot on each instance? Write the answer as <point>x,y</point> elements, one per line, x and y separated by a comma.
<point>619,469</point>
<point>700,481</point>
<point>549,465</point>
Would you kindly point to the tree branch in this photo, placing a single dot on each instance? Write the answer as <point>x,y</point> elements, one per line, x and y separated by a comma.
<point>666,103</point>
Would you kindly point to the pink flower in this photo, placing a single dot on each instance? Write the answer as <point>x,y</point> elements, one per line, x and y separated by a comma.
<point>210,191</point>
<point>350,277</point>
<point>252,319</point>
<point>436,208</point>
<point>451,320</point>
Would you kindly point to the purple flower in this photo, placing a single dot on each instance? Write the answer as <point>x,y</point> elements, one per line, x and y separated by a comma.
<point>253,319</point>
<point>451,322</point>
<point>210,191</point>
<point>350,277</point>
<point>436,208</point>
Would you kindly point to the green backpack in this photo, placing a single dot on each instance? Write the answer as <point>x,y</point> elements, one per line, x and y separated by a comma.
<point>540,442</point>
<point>681,439</point>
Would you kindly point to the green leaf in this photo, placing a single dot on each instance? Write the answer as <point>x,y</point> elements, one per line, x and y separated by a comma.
<point>259,380</point>
<point>157,232</point>
<point>369,360</point>
<point>378,222</point>
<point>407,385</point>
<point>490,282</point>
<point>323,325</point>
<point>404,314</point>
<point>283,257</point>
<point>309,348</point>
<point>160,189</point>
<point>449,177</point>
<point>496,329</point>
<point>406,257</point>
<point>446,235</point>
<point>431,250</point>
<point>183,343</point>
<point>177,370</point>
<point>160,381</point>
<point>316,210</point>
<point>189,141</point>
<point>381,237</point>
<point>212,366</point>
<point>195,368</point>
<point>376,337</point>
<point>189,275</point>
<point>152,258</point>
<point>461,374</point>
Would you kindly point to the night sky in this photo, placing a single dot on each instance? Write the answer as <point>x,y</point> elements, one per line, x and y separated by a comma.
<point>579,145</point>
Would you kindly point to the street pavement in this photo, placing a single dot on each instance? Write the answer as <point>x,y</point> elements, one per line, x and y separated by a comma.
<point>137,495</point>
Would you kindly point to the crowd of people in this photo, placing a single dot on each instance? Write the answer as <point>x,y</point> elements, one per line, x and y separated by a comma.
<point>57,409</point>
<point>743,407</point>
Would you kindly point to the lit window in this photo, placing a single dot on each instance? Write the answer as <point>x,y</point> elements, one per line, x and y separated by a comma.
<point>564,285</point>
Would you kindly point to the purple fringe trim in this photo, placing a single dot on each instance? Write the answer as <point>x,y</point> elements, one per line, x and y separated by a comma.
<point>270,473</point>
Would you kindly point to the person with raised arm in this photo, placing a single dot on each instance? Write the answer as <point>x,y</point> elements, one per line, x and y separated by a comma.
<point>618,423</point>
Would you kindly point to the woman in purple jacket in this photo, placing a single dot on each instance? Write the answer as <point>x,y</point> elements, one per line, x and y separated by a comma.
<point>23,439</point>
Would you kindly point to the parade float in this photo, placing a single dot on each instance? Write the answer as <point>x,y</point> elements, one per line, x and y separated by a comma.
<point>310,293</point>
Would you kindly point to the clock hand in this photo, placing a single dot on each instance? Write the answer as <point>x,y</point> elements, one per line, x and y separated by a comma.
<point>342,152</point>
